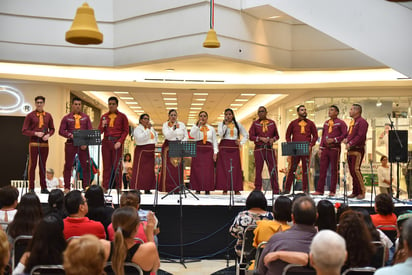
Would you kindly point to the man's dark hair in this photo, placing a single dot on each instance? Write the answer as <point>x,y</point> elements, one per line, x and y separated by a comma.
<point>113,98</point>
<point>40,97</point>
<point>334,107</point>
<point>76,98</point>
<point>300,106</point>
<point>8,195</point>
<point>72,201</point>
<point>304,211</point>
<point>384,204</point>
<point>358,106</point>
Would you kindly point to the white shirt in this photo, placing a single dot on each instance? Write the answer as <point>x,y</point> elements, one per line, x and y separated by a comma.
<point>383,174</point>
<point>142,136</point>
<point>53,183</point>
<point>171,134</point>
<point>224,132</point>
<point>211,136</point>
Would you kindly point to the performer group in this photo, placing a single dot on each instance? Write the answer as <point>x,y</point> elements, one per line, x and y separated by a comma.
<point>216,166</point>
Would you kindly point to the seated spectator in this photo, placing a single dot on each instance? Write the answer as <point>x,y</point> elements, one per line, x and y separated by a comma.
<point>56,203</point>
<point>406,267</point>
<point>28,215</point>
<point>401,252</point>
<point>384,208</point>
<point>327,253</point>
<point>358,239</point>
<point>256,205</point>
<point>51,181</point>
<point>98,210</point>
<point>124,249</point>
<point>8,202</point>
<point>132,199</point>
<point>46,246</point>
<point>326,216</point>
<point>4,252</point>
<point>84,256</point>
<point>298,238</point>
<point>282,210</point>
<point>77,224</point>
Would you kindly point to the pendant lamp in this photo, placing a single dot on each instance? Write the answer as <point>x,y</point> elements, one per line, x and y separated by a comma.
<point>211,37</point>
<point>84,29</point>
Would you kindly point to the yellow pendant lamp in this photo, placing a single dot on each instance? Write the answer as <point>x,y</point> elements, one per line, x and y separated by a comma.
<point>211,37</point>
<point>84,29</point>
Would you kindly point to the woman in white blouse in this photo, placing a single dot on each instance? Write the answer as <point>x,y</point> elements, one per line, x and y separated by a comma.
<point>384,178</point>
<point>173,130</point>
<point>228,157</point>
<point>202,171</point>
<point>145,136</point>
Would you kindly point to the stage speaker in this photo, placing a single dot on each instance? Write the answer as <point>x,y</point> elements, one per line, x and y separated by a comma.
<point>398,153</point>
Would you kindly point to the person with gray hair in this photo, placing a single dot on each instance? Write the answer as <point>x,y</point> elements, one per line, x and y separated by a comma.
<point>328,252</point>
<point>406,267</point>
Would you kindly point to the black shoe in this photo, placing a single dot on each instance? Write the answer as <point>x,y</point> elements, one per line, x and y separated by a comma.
<point>197,192</point>
<point>45,191</point>
<point>31,190</point>
<point>207,192</point>
<point>147,192</point>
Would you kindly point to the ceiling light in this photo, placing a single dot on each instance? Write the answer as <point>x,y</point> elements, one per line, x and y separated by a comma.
<point>126,97</point>
<point>211,38</point>
<point>168,93</point>
<point>200,99</point>
<point>274,17</point>
<point>170,108</point>
<point>200,93</point>
<point>135,107</point>
<point>195,108</point>
<point>236,104</point>
<point>247,94</point>
<point>169,98</point>
<point>131,102</point>
<point>379,103</point>
<point>241,99</point>
<point>197,104</point>
<point>170,70</point>
<point>171,103</point>
<point>121,93</point>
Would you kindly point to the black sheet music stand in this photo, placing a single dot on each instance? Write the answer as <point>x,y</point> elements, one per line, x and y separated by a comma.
<point>88,137</point>
<point>296,148</point>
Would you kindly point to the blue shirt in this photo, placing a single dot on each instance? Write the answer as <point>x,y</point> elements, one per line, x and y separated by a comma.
<point>402,268</point>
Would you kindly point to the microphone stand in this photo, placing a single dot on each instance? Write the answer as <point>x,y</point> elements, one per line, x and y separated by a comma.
<point>25,181</point>
<point>231,195</point>
<point>113,180</point>
<point>345,190</point>
<point>372,182</point>
<point>397,162</point>
<point>155,200</point>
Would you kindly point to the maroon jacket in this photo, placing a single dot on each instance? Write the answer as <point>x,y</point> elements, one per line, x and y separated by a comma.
<point>293,133</point>
<point>339,132</point>
<point>256,130</point>
<point>357,137</point>
<point>120,128</point>
<point>31,125</point>
<point>68,122</point>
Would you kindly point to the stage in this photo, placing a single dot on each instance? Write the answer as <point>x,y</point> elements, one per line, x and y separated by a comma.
<point>206,221</point>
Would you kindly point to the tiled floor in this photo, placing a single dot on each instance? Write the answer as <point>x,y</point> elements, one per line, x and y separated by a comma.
<point>204,267</point>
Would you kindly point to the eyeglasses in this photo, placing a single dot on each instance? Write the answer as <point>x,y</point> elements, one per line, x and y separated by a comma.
<point>145,118</point>
<point>39,102</point>
<point>261,111</point>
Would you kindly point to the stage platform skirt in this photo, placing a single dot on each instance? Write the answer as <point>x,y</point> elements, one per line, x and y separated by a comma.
<point>143,177</point>
<point>228,151</point>
<point>202,171</point>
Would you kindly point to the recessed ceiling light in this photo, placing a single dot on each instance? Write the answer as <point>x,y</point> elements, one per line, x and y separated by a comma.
<point>121,93</point>
<point>236,104</point>
<point>234,109</point>
<point>131,102</point>
<point>135,107</point>
<point>197,104</point>
<point>274,17</point>
<point>169,108</point>
<point>169,98</point>
<point>193,112</point>
<point>241,99</point>
<point>195,108</point>
<point>200,93</point>
<point>200,99</point>
<point>126,97</point>
<point>170,103</point>
<point>247,94</point>
<point>139,111</point>
<point>170,70</point>
<point>168,93</point>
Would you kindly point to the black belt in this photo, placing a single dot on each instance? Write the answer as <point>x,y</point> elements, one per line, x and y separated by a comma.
<point>263,146</point>
<point>112,138</point>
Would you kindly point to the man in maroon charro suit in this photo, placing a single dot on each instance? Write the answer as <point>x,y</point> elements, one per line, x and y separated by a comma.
<point>334,131</point>
<point>38,125</point>
<point>300,129</point>
<point>355,144</point>
<point>115,127</point>
<point>75,120</point>
<point>264,133</point>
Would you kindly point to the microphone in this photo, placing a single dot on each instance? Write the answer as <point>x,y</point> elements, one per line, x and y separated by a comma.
<point>104,122</point>
<point>174,126</point>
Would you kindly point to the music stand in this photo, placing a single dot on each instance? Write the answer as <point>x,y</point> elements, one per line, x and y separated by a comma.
<point>293,149</point>
<point>88,137</point>
<point>181,149</point>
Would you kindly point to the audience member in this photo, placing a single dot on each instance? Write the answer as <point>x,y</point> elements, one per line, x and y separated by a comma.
<point>326,216</point>
<point>28,215</point>
<point>84,256</point>
<point>297,238</point>
<point>124,249</point>
<point>56,203</point>
<point>8,203</point>
<point>46,246</point>
<point>4,252</point>
<point>51,181</point>
<point>406,267</point>
<point>256,205</point>
<point>282,210</point>
<point>384,208</point>
<point>77,224</point>
<point>401,252</point>
<point>358,239</point>
<point>127,163</point>
<point>328,253</point>
<point>132,199</point>
<point>98,210</point>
